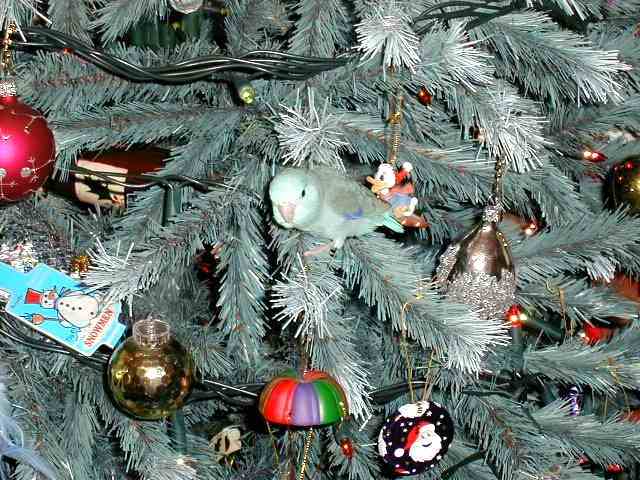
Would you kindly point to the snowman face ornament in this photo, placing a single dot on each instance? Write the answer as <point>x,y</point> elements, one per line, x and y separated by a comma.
<point>415,438</point>
<point>77,309</point>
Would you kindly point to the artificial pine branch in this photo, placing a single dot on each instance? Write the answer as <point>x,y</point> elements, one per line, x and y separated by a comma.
<point>606,368</point>
<point>542,69</point>
<point>595,244</point>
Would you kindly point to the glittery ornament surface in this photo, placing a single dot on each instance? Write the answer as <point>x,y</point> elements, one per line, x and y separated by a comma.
<point>415,438</point>
<point>7,88</point>
<point>80,265</point>
<point>27,232</point>
<point>478,271</point>
<point>492,297</point>
<point>20,256</point>
<point>492,214</point>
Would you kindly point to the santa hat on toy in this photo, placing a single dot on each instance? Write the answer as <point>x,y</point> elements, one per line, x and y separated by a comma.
<point>404,174</point>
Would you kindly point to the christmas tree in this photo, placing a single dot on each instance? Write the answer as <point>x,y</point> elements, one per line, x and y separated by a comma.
<point>321,239</point>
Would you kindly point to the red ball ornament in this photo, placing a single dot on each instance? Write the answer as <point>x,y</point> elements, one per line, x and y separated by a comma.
<point>615,468</point>
<point>594,156</point>
<point>27,148</point>
<point>346,445</point>
<point>424,97</point>
<point>593,334</point>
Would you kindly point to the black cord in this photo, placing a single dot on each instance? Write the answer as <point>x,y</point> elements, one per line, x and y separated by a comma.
<point>256,64</point>
<point>10,330</point>
<point>465,461</point>
<point>468,9</point>
<point>271,64</point>
<point>242,395</point>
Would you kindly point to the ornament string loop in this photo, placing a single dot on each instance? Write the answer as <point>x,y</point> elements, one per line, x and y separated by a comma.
<point>563,306</point>
<point>614,369</point>
<point>274,443</point>
<point>429,380</point>
<point>497,191</point>
<point>404,348</point>
<point>395,120</point>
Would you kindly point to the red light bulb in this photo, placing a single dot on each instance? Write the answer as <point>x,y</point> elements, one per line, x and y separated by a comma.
<point>346,445</point>
<point>516,316</point>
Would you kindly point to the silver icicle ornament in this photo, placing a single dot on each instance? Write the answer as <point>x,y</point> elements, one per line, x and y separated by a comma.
<point>186,6</point>
<point>478,271</point>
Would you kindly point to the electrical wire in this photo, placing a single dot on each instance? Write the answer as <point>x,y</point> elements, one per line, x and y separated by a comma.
<point>256,64</point>
<point>479,11</point>
<point>241,395</point>
<point>9,330</point>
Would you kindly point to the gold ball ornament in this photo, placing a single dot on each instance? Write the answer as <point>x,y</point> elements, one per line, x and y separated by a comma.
<point>150,374</point>
<point>80,264</point>
<point>624,184</point>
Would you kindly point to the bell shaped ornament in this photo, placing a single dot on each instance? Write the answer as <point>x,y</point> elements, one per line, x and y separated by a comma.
<point>478,270</point>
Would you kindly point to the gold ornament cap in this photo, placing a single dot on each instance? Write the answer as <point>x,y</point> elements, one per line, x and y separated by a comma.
<point>151,332</point>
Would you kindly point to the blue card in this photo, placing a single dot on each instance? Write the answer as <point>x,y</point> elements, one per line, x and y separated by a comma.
<point>61,308</point>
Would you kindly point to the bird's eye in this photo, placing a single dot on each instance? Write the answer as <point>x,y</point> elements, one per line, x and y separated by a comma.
<point>304,192</point>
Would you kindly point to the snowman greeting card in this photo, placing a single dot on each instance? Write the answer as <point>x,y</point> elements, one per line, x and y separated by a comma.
<point>61,308</point>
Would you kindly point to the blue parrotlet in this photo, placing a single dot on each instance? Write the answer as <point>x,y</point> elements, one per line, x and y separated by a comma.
<point>328,204</point>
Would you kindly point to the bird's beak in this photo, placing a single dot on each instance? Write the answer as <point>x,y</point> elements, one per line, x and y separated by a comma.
<point>287,211</point>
